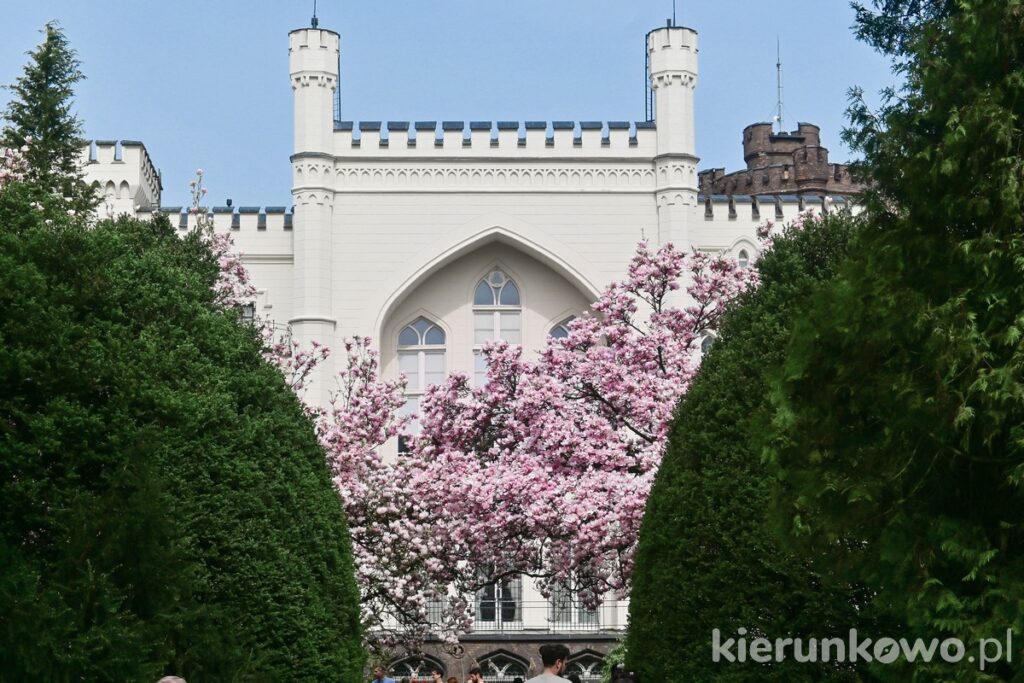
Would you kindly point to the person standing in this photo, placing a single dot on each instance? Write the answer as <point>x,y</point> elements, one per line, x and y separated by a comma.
<point>476,675</point>
<point>380,677</point>
<point>553,657</point>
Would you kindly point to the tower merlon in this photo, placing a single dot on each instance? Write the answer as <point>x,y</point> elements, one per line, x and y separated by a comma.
<point>245,219</point>
<point>313,50</point>
<point>122,169</point>
<point>672,49</point>
<point>505,139</point>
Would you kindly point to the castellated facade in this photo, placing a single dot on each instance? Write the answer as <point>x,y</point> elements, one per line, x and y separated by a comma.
<point>434,237</point>
<point>782,163</point>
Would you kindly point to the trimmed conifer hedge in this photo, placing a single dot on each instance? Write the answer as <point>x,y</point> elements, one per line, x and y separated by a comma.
<point>708,556</point>
<point>164,504</point>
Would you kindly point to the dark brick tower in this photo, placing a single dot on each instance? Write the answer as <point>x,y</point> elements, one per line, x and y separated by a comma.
<point>782,163</point>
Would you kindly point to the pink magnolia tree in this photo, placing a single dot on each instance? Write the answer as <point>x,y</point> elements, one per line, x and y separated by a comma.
<point>13,164</point>
<point>543,471</point>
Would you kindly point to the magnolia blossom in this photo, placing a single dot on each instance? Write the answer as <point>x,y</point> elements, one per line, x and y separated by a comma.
<point>543,471</point>
<point>13,164</point>
<point>234,287</point>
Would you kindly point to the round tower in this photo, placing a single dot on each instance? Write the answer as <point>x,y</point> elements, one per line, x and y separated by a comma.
<point>313,63</point>
<point>672,60</point>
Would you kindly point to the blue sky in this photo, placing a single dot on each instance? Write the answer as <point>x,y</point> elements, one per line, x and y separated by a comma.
<point>206,83</point>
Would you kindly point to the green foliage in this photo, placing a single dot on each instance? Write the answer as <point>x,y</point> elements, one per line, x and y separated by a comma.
<point>892,25</point>
<point>616,655</point>
<point>40,113</point>
<point>708,557</point>
<point>898,409</point>
<point>164,504</point>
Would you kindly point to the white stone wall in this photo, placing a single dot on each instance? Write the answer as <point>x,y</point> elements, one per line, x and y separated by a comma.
<point>446,297</point>
<point>126,178</point>
<point>382,207</point>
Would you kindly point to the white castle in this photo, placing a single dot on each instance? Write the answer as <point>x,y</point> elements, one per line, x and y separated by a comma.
<point>434,238</point>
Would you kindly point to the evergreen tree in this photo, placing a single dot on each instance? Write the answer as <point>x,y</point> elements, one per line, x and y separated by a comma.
<point>165,506</point>
<point>898,410</point>
<point>891,25</point>
<point>708,557</point>
<point>39,115</point>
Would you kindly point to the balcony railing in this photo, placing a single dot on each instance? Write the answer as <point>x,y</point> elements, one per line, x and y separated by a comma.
<point>546,616</point>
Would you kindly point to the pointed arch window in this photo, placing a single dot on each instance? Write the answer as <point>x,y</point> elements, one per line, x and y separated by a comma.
<point>416,667</point>
<point>588,666</point>
<point>421,358</point>
<point>497,314</point>
<point>743,258</point>
<point>421,355</point>
<point>501,667</point>
<point>561,330</point>
<point>706,343</point>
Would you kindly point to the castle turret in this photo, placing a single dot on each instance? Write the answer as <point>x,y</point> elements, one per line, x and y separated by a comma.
<point>672,59</point>
<point>782,163</point>
<point>313,63</point>
<point>763,147</point>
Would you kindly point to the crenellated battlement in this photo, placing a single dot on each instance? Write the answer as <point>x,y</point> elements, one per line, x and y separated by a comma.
<point>673,52</point>
<point>124,174</point>
<point>767,207</point>
<point>394,220</point>
<point>314,50</point>
<point>245,219</point>
<point>505,139</point>
<point>782,163</point>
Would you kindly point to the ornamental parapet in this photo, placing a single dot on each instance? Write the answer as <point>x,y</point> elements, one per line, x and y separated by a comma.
<point>495,138</point>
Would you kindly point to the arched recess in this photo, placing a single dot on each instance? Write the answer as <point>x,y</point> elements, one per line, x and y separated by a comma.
<point>551,256</point>
<point>743,244</point>
<point>502,665</point>
<point>587,664</point>
<point>558,326</point>
<point>416,666</point>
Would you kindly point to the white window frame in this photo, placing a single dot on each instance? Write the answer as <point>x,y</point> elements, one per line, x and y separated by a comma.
<point>563,323</point>
<point>420,351</point>
<point>496,309</point>
<point>500,597</point>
